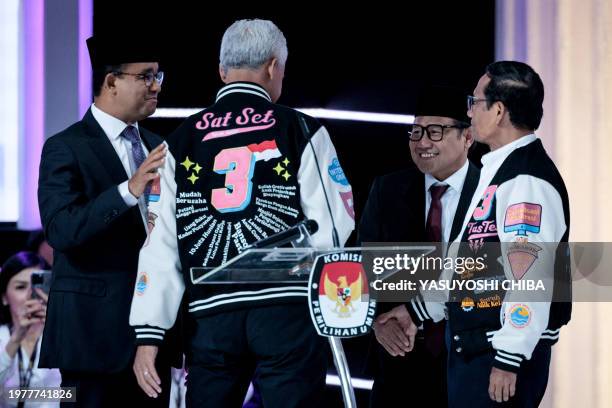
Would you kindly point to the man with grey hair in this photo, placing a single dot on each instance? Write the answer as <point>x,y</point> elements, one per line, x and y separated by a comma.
<point>247,168</point>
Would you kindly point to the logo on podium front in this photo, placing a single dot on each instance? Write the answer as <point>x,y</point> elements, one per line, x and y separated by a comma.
<point>340,302</point>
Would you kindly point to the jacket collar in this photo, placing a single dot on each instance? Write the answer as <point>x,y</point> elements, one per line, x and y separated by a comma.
<point>243,88</point>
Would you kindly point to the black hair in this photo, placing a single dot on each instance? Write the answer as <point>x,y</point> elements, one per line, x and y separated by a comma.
<point>99,73</point>
<point>520,89</point>
<point>15,264</point>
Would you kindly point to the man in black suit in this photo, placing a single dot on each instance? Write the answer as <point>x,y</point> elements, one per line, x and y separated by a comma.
<point>424,205</point>
<point>95,182</point>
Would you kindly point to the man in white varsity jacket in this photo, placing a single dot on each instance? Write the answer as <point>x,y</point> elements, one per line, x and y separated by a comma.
<point>239,171</point>
<point>500,342</point>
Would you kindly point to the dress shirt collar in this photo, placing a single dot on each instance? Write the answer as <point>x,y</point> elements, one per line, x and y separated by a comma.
<point>455,181</point>
<point>109,124</point>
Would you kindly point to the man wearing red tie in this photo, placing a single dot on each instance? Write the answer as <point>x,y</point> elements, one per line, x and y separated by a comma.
<point>424,205</point>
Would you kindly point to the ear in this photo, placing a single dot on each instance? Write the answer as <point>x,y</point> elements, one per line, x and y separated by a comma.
<point>469,137</point>
<point>222,74</point>
<point>109,81</point>
<point>271,68</point>
<point>500,110</point>
<point>4,301</point>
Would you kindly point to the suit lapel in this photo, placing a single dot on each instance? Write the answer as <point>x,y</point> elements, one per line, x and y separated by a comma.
<point>104,150</point>
<point>469,186</point>
<point>411,210</point>
<point>419,205</point>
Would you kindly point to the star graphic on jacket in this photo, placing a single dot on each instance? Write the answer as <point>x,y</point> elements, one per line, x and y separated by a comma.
<point>286,175</point>
<point>197,168</point>
<point>278,169</point>
<point>192,178</point>
<point>187,163</point>
<point>286,162</point>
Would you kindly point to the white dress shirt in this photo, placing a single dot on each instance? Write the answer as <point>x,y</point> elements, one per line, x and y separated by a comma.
<point>9,373</point>
<point>113,128</point>
<point>449,200</point>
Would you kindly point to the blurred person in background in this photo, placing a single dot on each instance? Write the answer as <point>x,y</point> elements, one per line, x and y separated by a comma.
<point>22,319</point>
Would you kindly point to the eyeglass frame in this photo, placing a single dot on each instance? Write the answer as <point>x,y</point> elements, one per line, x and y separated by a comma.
<point>147,78</point>
<point>461,125</point>
<point>472,100</point>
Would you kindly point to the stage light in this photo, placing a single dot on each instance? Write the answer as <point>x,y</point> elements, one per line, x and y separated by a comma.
<point>320,113</point>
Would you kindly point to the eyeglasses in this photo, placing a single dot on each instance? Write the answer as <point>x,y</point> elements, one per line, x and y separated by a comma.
<point>148,77</point>
<point>434,132</point>
<point>472,100</point>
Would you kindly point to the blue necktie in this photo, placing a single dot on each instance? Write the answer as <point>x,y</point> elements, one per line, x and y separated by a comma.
<point>138,154</point>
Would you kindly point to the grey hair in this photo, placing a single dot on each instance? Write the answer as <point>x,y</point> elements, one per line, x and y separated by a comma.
<point>250,43</point>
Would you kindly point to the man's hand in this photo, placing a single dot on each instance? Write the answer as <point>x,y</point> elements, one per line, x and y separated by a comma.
<point>400,313</point>
<point>144,368</point>
<point>502,384</point>
<point>392,337</point>
<point>147,171</point>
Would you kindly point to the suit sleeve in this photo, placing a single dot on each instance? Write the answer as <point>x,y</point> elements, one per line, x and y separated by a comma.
<point>369,224</point>
<point>330,187</point>
<point>69,217</point>
<point>159,284</point>
<point>531,223</point>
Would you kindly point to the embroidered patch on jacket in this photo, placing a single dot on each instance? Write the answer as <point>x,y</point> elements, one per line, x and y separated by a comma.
<point>155,190</point>
<point>521,256</point>
<point>519,316</point>
<point>347,200</point>
<point>265,150</point>
<point>336,173</point>
<point>523,218</point>
<point>142,283</point>
<point>281,169</point>
<point>467,304</point>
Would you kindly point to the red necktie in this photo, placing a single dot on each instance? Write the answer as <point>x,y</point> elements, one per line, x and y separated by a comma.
<point>433,227</point>
<point>434,332</point>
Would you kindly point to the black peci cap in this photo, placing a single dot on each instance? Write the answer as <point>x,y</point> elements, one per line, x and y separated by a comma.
<point>116,50</point>
<point>442,101</point>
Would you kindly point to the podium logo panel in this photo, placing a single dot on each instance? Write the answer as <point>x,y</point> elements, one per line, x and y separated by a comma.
<point>340,302</point>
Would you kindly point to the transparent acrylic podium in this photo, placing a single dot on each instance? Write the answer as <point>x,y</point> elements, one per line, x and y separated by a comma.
<point>261,266</point>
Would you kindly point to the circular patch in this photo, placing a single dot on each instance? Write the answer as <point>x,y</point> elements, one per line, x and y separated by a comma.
<point>336,173</point>
<point>141,284</point>
<point>520,316</point>
<point>467,304</point>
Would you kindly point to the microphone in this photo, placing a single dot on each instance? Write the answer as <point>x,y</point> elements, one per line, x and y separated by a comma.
<point>286,236</point>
